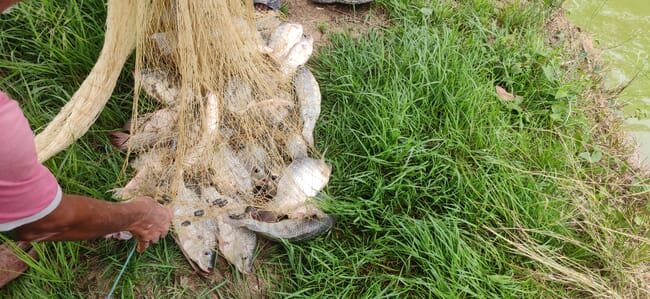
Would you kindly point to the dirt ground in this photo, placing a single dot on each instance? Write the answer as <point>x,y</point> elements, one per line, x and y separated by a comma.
<point>318,20</point>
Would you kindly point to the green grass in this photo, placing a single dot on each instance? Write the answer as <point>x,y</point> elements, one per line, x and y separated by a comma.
<point>442,189</point>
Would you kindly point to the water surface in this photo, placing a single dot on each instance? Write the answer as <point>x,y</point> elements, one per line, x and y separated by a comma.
<point>621,28</point>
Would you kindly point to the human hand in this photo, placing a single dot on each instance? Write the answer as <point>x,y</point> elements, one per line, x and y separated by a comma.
<point>152,225</point>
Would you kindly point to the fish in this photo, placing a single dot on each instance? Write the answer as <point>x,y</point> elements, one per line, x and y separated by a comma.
<point>148,165</point>
<point>309,100</point>
<point>157,85</point>
<point>197,236</point>
<point>303,179</point>
<point>298,55</point>
<point>284,38</point>
<point>165,41</point>
<point>236,244</point>
<point>296,146</point>
<point>231,176</point>
<point>156,127</point>
<point>277,109</point>
<point>255,159</point>
<point>209,131</point>
<point>237,96</point>
<point>292,230</point>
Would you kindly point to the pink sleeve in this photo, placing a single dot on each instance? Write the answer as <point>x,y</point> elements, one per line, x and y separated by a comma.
<point>27,188</point>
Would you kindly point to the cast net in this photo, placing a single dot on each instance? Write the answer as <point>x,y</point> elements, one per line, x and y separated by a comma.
<point>234,108</point>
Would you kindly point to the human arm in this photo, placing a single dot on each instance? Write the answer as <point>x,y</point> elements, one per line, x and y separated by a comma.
<point>80,218</point>
<point>4,4</point>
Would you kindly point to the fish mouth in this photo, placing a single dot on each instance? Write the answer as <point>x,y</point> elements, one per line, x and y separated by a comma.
<point>206,264</point>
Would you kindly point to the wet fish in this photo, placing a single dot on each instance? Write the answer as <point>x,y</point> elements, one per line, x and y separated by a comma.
<point>296,146</point>
<point>293,230</point>
<point>156,127</point>
<point>298,55</point>
<point>255,159</point>
<point>309,99</point>
<point>299,182</point>
<point>148,165</point>
<point>278,108</point>
<point>231,176</point>
<point>165,41</point>
<point>284,38</point>
<point>157,84</point>
<point>237,96</point>
<point>236,244</point>
<point>197,236</point>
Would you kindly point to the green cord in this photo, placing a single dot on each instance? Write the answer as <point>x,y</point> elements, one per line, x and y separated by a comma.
<point>128,258</point>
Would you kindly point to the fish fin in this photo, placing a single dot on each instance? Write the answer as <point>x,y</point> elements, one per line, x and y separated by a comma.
<point>119,140</point>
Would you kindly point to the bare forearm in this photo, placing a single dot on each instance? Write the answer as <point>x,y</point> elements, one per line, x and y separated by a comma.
<point>80,218</point>
<point>4,4</point>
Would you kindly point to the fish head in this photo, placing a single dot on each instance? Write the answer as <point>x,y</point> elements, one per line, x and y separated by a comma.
<point>196,251</point>
<point>307,175</point>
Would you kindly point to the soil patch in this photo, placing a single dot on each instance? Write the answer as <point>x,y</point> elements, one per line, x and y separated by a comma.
<point>319,20</point>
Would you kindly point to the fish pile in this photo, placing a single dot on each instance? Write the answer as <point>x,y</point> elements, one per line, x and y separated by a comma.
<point>213,217</point>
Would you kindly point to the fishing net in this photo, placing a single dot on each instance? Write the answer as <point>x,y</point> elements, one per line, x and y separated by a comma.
<point>235,113</point>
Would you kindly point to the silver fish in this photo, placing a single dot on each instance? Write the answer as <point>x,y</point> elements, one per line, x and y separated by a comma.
<point>296,146</point>
<point>154,128</point>
<point>165,41</point>
<point>298,55</point>
<point>309,99</point>
<point>157,84</point>
<point>147,165</point>
<point>231,174</point>
<point>292,230</point>
<point>255,159</point>
<point>236,244</point>
<point>278,109</point>
<point>284,38</point>
<point>237,96</point>
<point>196,235</point>
<point>301,180</point>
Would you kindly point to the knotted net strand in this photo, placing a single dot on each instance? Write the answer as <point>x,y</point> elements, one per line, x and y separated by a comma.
<point>230,97</point>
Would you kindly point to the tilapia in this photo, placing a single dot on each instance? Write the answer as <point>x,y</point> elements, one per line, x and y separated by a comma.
<point>277,109</point>
<point>165,41</point>
<point>255,159</point>
<point>296,146</point>
<point>292,230</point>
<point>208,132</point>
<point>284,38</point>
<point>196,235</point>
<point>156,127</point>
<point>238,96</point>
<point>302,179</point>
<point>148,165</point>
<point>309,99</point>
<point>298,55</point>
<point>236,244</point>
<point>157,84</point>
<point>231,176</point>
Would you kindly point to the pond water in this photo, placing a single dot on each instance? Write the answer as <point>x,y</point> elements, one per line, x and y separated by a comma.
<point>621,28</point>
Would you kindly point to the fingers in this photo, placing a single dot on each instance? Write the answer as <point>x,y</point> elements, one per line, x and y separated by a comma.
<point>142,245</point>
<point>153,226</point>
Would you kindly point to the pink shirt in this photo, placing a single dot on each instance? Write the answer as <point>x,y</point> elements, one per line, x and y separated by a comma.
<point>27,189</point>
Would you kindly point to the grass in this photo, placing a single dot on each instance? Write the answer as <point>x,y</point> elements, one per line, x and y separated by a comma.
<point>442,189</point>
